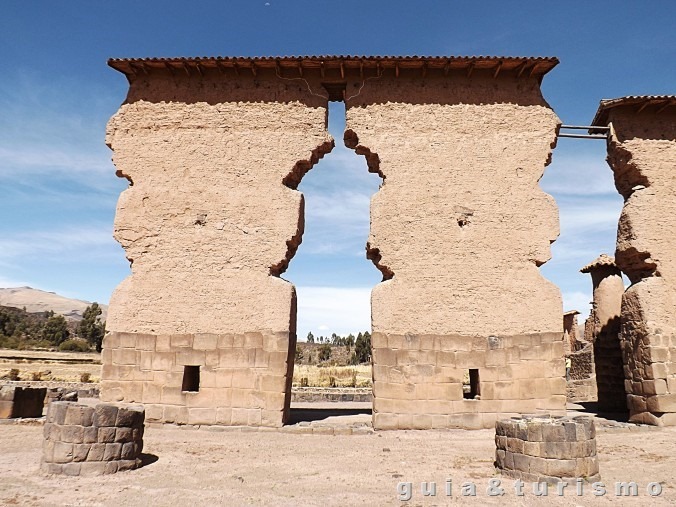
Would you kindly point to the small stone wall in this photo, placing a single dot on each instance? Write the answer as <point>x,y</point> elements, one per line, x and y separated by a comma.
<point>85,440</point>
<point>329,394</point>
<point>581,390</point>
<point>547,449</point>
<point>582,362</point>
<point>21,402</point>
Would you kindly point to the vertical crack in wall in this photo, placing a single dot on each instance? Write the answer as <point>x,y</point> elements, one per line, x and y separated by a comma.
<point>292,180</point>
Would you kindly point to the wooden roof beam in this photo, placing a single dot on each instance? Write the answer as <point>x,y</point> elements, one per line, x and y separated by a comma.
<point>532,70</point>
<point>643,106</point>
<point>666,105</point>
<point>497,69</point>
<point>470,68</point>
<point>521,67</point>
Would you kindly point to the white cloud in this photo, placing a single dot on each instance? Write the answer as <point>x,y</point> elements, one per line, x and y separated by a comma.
<point>338,310</point>
<point>42,243</point>
<point>577,300</point>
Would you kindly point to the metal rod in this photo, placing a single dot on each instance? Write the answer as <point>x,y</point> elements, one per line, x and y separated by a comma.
<point>589,127</point>
<point>583,136</point>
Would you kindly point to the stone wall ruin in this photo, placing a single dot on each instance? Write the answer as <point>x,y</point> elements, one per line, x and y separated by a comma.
<point>203,330</point>
<point>641,153</point>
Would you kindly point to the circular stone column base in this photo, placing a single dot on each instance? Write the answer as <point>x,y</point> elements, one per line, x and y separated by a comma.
<point>547,449</point>
<point>92,440</point>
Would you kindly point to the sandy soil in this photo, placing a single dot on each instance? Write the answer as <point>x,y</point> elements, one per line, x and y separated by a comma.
<point>203,467</point>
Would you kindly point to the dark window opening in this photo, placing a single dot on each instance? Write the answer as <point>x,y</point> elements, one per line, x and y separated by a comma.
<point>191,379</point>
<point>474,389</point>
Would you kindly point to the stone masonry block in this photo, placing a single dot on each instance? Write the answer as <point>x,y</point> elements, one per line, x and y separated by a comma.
<point>128,451</point>
<point>181,340</point>
<point>126,357</point>
<point>123,435</point>
<point>107,435</point>
<point>661,403</point>
<point>72,434</point>
<point>146,342</point>
<point>105,415</point>
<point>126,340</point>
<point>63,452</point>
<point>112,452</point>
<point>80,451</point>
<point>205,341</point>
<point>96,452</point>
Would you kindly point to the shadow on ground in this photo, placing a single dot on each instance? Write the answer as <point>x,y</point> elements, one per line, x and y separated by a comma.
<point>148,459</point>
<point>591,408</point>
<point>319,414</point>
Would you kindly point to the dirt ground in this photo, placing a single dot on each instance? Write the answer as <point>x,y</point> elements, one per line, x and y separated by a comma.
<point>280,468</point>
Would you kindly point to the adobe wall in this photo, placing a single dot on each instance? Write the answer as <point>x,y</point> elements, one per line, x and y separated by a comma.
<point>641,152</point>
<point>459,230</point>
<point>208,226</point>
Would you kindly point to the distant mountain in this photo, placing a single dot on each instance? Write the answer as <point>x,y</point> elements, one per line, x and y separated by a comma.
<point>35,300</point>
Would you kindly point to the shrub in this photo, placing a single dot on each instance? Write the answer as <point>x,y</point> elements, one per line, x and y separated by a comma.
<point>56,330</point>
<point>324,353</point>
<point>9,342</point>
<point>13,374</point>
<point>74,346</point>
<point>85,377</point>
<point>36,376</point>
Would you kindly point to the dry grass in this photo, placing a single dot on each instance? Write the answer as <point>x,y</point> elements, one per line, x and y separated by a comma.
<point>332,376</point>
<point>50,366</point>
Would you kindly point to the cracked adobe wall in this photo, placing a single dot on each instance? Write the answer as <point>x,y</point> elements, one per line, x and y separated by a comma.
<point>208,224</point>
<point>459,230</point>
<point>642,154</point>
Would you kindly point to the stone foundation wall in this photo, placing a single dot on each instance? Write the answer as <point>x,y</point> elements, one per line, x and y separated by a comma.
<point>85,440</point>
<point>419,379</point>
<point>543,449</point>
<point>21,401</point>
<point>242,377</point>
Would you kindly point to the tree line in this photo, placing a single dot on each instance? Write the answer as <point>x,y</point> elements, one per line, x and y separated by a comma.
<point>361,344</point>
<point>22,330</point>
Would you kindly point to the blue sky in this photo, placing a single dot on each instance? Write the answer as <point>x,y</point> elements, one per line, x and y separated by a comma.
<point>59,188</point>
